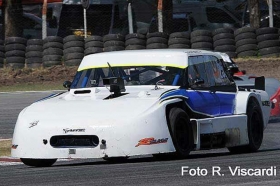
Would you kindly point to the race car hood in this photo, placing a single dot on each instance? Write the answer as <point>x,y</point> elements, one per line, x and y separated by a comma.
<point>86,105</point>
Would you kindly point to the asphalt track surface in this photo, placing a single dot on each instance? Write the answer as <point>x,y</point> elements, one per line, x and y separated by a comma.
<point>140,170</point>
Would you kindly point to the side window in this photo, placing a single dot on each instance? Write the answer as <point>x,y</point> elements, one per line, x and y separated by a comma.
<point>219,74</point>
<point>197,76</point>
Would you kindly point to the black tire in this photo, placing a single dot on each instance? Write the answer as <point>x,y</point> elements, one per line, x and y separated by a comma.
<point>2,55</point>
<point>271,55</point>
<point>179,46</point>
<point>223,36</point>
<point>113,48</point>
<point>33,65</point>
<point>266,30</point>
<point>34,48</point>
<point>72,62</point>
<point>51,58</point>
<point>93,38</point>
<point>222,30</point>
<point>15,60</point>
<point>244,30</point>
<point>73,56</point>
<point>184,41</point>
<point>266,37</point>
<point>157,34</point>
<point>156,46</point>
<point>15,53</point>
<point>115,37</point>
<point>15,40</point>
<point>34,42</point>
<point>247,53</point>
<point>254,127</point>
<point>135,47</point>
<point>270,50</point>
<point>185,35</point>
<point>53,51</point>
<point>73,44</point>
<point>2,48</point>
<point>73,50</point>
<point>152,40</point>
<point>15,65</point>
<point>245,42</point>
<point>32,54</point>
<point>38,162</point>
<point>94,44</point>
<point>51,63</point>
<point>113,43</point>
<point>201,33</point>
<point>181,132</point>
<point>72,38</point>
<point>53,39</point>
<point>269,43</point>
<point>135,41</point>
<point>93,50</point>
<point>135,36</point>
<point>231,54</point>
<point>199,45</point>
<point>248,47</point>
<point>34,60</point>
<point>2,42</point>
<point>224,42</point>
<point>52,45</point>
<point>248,35</point>
<point>201,39</point>
<point>10,47</point>
<point>225,48</point>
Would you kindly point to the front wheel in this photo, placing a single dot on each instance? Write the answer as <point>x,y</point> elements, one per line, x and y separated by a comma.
<point>38,162</point>
<point>254,127</point>
<point>181,132</point>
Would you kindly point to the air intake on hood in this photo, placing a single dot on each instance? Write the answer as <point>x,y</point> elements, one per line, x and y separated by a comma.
<point>82,91</point>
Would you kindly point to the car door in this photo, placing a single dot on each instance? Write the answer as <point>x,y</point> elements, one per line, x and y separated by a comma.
<point>201,99</point>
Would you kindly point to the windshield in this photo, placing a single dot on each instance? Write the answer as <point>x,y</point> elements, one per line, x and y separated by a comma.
<point>136,76</point>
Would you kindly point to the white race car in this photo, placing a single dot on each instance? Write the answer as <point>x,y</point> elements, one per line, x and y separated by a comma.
<point>128,103</point>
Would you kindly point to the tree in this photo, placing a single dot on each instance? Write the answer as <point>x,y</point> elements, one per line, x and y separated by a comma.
<point>13,18</point>
<point>253,6</point>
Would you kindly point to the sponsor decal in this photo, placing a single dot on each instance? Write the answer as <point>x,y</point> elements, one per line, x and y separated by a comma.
<point>33,124</point>
<point>266,103</point>
<point>14,146</point>
<point>73,130</point>
<point>151,141</point>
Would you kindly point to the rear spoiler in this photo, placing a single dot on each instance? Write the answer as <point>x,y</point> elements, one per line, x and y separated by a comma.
<point>260,83</point>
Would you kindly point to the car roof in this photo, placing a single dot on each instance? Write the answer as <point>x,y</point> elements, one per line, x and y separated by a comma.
<point>149,57</point>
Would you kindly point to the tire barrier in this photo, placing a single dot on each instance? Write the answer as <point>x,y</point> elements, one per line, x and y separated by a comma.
<point>34,53</point>
<point>113,42</point>
<point>73,50</point>
<point>157,40</point>
<point>201,39</point>
<point>15,52</point>
<point>93,45</point>
<point>223,41</point>
<point>52,51</point>
<point>2,53</point>
<point>179,40</point>
<point>245,42</point>
<point>268,42</point>
<point>135,42</point>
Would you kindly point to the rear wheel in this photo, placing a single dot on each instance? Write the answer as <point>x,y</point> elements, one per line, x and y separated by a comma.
<point>38,162</point>
<point>255,129</point>
<point>181,132</point>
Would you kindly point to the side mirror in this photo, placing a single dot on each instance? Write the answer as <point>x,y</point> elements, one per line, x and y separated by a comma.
<point>67,84</point>
<point>198,81</point>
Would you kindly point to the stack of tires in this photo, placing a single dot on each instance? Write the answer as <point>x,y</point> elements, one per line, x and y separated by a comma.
<point>157,40</point>
<point>202,39</point>
<point>93,44</point>
<point>52,51</point>
<point>135,41</point>
<point>113,42</point>
<point>15,52</point>
<point>179,40</point>
<point>223,41</point>
<point>268,42</point>
<point>73,50</point>
<point>2,53</point>
<point>34,53</point>
<point>245,42</point>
